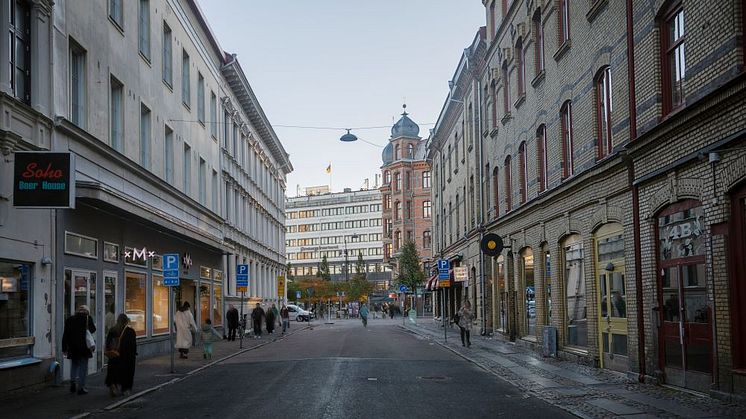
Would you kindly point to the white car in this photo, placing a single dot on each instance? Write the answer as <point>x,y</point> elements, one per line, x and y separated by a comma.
<point>298,314</point>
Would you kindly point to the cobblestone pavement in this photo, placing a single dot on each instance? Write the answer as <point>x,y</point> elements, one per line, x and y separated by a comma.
<point>582,390</point>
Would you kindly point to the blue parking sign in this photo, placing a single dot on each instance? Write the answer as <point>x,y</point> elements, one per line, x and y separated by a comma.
<point>443,267</point>
<point>242,275</point>
<point>171,269</point>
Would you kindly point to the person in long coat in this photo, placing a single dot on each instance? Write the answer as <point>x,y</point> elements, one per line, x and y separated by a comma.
<point>271,319</point>
<point>465,319</point>
<point>76,349</point>
<point>256,318</point>
<point>121,370</point>
<point>232,318</point>
<point>185,325</point>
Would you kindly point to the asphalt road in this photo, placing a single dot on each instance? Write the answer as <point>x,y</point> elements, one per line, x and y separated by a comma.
<point>342,371</point>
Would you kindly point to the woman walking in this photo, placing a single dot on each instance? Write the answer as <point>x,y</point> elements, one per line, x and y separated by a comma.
<point>185,325</point>
<point>121,349</point>
<point>78,346</point>
<point>465,318</point>
<point>364,315</point>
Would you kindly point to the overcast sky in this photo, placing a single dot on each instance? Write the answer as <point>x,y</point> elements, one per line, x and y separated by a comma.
<point>344,63</point>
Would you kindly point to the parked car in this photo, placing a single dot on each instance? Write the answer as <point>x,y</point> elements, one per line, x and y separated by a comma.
<point>298,314</point>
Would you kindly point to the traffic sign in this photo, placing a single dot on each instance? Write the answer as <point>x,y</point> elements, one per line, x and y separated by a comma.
<point>443,267</point>
<point>403,288</point>
<point>171,270</point>
<point>297,295</point>
<point>281,286</point>
<point>242,277</point>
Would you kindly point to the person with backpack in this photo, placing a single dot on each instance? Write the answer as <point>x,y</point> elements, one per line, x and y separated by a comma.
<point>121,350</point>
<point>78,346</point>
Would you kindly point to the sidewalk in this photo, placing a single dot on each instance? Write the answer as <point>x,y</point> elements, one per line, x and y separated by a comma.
<point>583,391</point>
<point>150,374</point>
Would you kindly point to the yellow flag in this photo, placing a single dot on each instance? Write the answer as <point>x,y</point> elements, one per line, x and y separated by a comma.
<point>329,169</point>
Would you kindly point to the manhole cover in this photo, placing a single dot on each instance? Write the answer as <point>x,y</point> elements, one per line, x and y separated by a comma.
<point>433,378</point>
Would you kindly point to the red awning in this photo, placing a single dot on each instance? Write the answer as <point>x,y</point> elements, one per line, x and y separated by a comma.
<point>432,283</point>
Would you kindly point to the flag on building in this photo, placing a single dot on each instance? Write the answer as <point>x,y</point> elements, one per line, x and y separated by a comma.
<point>329,169</point>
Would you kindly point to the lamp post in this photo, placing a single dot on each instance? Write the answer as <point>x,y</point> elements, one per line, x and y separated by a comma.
<point>347,260</point>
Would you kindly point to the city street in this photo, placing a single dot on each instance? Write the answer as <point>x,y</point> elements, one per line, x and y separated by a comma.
<point>342,370</point>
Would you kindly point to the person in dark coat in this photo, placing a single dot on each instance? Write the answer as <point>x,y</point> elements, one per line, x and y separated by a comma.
<point>256,318</point>
<point>121,370</point>
<point>74,347</point>
<point>271,319</point>
<point>232,318</point>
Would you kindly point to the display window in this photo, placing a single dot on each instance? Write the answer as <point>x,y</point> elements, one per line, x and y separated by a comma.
<point>577,321</point>
<point>217,308</point>
<point>135,290</point>
<point>204,302</point>
<point>160,306</point>
<point>15,322</point>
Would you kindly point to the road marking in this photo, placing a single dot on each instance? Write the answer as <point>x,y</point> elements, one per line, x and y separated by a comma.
<point>372,379</point>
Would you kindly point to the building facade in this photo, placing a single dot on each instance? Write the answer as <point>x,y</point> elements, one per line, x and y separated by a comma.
<point>612,167</point>
<point>405,193</point>
<point>341,227</point>
<point>173,154</point>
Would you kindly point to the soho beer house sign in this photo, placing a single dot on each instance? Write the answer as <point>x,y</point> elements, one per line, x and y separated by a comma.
<point>43,179</point>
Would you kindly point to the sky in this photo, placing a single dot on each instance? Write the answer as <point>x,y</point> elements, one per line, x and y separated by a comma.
<point>344,63</point>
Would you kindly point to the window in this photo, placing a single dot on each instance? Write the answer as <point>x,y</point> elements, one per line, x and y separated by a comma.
<point>78,114</point>
<point>564,21</point>
<point>185,88</point>
<point>168,72</point>
<point>214,191</point>
<point>20,56</point>
<point>603,113</point>
<point>410,151</point>
<point>213,115</point>
<point>673,62</point>
<point>160,305</point>
<point>566,130</point>
<point>116,12</point>
<point>485,203</point>
<point>15,308</point>
<point>491,20</point>
<point>407,210</point>
<point>111,252</point>
<point>508,186</point>
<point>520,68</point>
<point>426,179</point>
<point>397,210</point>
<point>134,300</point>
<point>187,169</point>
<point>426,209</point>
<point>144,27</point>
<point>523,171</point>
<point>200,98</point>
<point>79,245</point>
<point>455,150</point>
<point>386,177</point>
<point>577,328</point>
<point>116,115</point>
<point>493,97</point>
<point>168,163</point>
<point>506,89</point>
<point>541,156</point>
<point>538,43</point>
<point>202,184</point>
<point>397,239</point>
<point>496,187</point>
<point>144,136</point>
<point>387,202</point>
<point>397,181</point>
<point>427,239</point>
<point>217,305</point>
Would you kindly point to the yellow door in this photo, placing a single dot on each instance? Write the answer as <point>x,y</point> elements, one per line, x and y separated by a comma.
<point>612,298</point>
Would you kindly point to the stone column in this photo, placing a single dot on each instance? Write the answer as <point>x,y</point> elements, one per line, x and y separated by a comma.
<point>229,273</point>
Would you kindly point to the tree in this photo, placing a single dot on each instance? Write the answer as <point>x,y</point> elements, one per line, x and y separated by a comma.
<point>410,270</point>
<point>358,288</point>
<point>289,271</point>
<point>360,264</point>
<point>323,272</point>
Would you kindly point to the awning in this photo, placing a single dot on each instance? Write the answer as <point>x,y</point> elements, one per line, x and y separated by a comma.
<point>432,283</point>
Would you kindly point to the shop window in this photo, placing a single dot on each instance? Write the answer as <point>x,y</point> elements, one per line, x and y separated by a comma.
<point>110,301</point>
<point>156,262</point>
<point>160,306</point>
<point>217,307</point>
<point>15,320</point>
<point>738,282</point>
<point>111,252</point>
<point>547,286</point>
<point>135,291</point>
<point>527,274</point>
<point>204,302</point>
<point>577,327</point>
<point>76,244</point>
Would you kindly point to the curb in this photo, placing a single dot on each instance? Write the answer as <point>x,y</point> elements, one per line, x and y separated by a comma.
<point>141,393</point>
<point>490,371</point>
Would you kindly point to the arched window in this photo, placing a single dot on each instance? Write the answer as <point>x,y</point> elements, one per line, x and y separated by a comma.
<point>523,171</point>
<point>397,210</point>
<point>426,179</point>
<point>568,165</point>
<point>426,239</point>
<point>397,181</point>
<point>426,209</point>
<point>508,186</point>
<point>541,157</point>
<point>410,151</point>
<point>575,303</point>
<point>603,113</point>
<point>520,68</point>
<point>397,152</point>
<point>386,177</point>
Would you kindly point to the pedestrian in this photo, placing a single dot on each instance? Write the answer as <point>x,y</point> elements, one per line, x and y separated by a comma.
<point>208,335</point>
<point>78,345</point>
<point>391,311</point>
<point>376,310</point>
<point>256,318</point>
<point>465,318</point>
<point>285,317</point>
<point>232,318</point>
<point>271,318</point>
<point>364,315</point>
<point>185,325</point>
<point>121,350</point>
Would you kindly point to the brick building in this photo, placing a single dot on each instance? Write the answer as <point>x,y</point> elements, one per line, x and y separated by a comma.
<point>613,167</point>
<point>405,193</point>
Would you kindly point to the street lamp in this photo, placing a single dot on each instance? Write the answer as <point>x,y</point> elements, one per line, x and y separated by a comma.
<point>347,261</point>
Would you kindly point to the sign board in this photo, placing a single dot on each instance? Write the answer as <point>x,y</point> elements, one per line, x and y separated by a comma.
<point>281,286</point>
<point>171,269</point>
<point>491,244</point>
<point>443,267</point>
<point>43,179</point>
<point>460,274</point>
<point>297,295</point>
<point>242,277</point>
<point>403,288</point>
<point>444,283</point>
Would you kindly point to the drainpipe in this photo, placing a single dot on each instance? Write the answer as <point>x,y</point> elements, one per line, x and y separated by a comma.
<point>481,205</point>
<point>631,72</point>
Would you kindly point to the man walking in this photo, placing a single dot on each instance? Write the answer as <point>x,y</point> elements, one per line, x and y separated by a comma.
<point>77,347</point>
<point>232,318</point>
<point>256,317</point>
<point>285,317</point>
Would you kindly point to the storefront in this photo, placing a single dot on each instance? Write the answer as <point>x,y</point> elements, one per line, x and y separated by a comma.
<point>112,262</point>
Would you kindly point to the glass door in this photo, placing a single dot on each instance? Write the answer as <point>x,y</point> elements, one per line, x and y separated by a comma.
<point>612,293</point>
<point>80,289</point>
<point>111,307</point>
